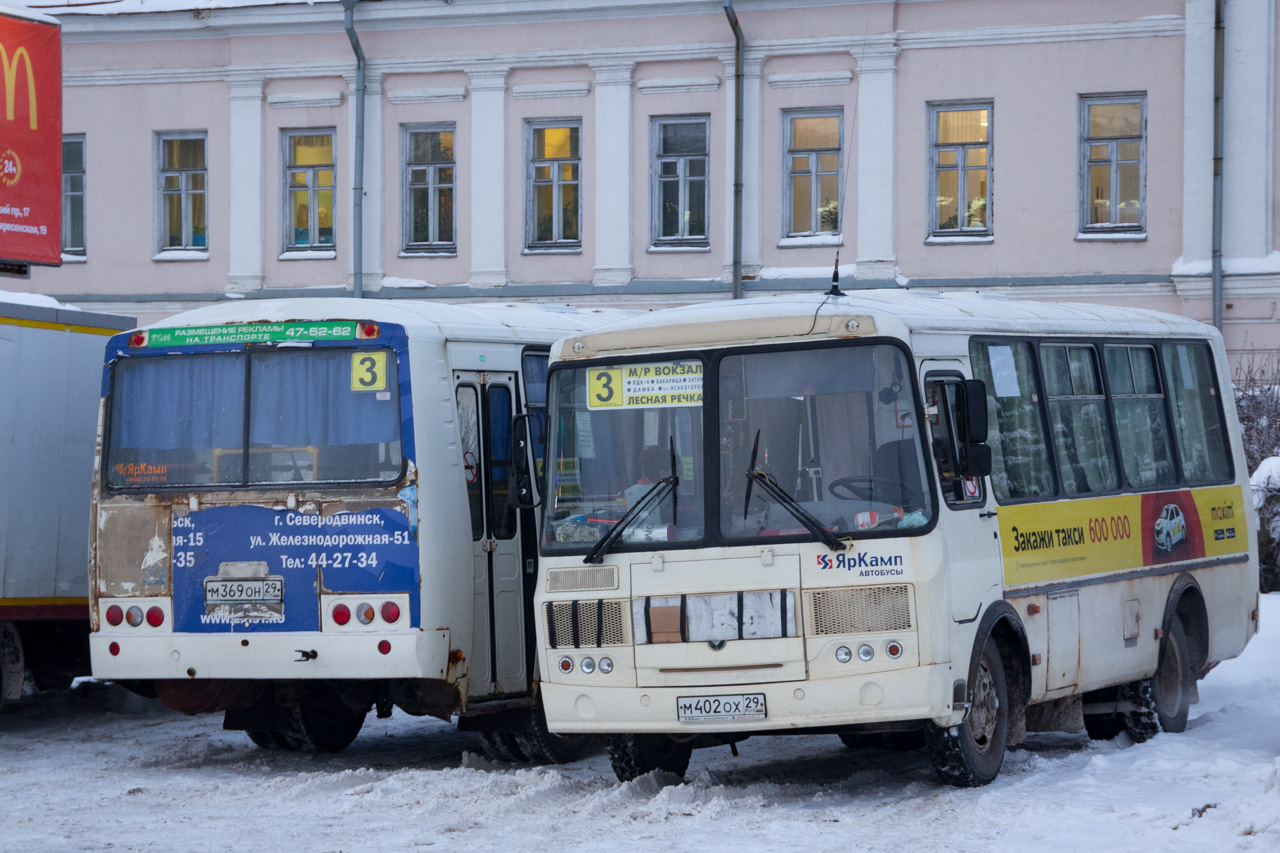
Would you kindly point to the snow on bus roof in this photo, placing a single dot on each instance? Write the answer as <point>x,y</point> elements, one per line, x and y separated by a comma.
<point>126,7</point>
<point>922,310</point>
<point>449,320</point>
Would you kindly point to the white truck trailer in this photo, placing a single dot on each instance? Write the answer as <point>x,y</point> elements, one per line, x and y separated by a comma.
<point>50,384</point>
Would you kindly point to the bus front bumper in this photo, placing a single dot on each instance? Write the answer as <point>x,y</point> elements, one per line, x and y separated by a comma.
<point>910,694</point>
<point>419,654</point>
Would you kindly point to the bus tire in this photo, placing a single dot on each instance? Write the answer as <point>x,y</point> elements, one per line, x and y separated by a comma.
<point>321,722</point>
<point>970,755</point>
<point>1173,681</point>
<point>632,756</point>
<point>501,747</point>
<point>265,739</point>
<point>541,746</point>
<point>1141,722</point>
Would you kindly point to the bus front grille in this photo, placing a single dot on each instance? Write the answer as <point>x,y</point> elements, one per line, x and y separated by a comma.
<point>576,580</point>
<point>591,623</point>
<point>859,610</point>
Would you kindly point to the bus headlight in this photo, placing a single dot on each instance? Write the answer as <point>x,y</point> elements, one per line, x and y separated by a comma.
<point>865,653</point>
<point>588,665</point>
<point>606,666</point>
<point>843,655</point>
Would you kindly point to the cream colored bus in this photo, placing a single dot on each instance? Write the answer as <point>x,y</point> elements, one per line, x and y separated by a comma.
<point>947,519</point>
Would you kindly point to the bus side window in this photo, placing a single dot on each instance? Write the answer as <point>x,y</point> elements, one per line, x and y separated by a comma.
<point>1019,451</point>
<point>1078,418</point>
<point>959,492</point>
<point>1197,413</point>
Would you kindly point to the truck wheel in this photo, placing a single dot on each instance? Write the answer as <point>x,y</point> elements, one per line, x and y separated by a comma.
<point>321,722</point>
<point>1172,684</point>
<point>632,756</point>
<point>971,754</point>
<point>543,747</point>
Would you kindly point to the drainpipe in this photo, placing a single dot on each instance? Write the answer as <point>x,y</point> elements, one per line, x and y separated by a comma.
<point>357,190</point>
<point>1219,39</point>
<point>739,45</point>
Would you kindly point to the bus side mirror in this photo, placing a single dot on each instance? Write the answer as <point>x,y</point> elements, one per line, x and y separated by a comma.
<point>522,490</point>
<point>974,456</point>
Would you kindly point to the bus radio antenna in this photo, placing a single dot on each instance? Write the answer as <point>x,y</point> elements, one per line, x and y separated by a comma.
<point>835,278</point>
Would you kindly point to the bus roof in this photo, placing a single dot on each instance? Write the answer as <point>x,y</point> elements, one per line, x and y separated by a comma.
<point>898,313</point>
<point>444,321</point>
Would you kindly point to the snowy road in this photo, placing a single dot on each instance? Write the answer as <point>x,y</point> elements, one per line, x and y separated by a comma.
<point>99,769</point>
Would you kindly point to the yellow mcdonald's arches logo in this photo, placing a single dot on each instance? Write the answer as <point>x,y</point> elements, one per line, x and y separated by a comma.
<point>10,67</point>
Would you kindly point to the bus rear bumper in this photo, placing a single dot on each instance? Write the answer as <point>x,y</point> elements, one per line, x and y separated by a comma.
<point>911,694</point>
<point>421,654</point>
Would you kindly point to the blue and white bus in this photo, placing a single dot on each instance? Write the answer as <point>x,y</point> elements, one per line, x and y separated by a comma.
<point>303,509</point>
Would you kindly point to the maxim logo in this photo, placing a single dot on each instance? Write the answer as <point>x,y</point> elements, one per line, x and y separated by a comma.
<point>10,68</point>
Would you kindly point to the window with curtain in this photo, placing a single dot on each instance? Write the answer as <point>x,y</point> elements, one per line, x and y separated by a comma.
<point>814,172</point>
<point>1113,147</point>
<point>73,195</point>
<point>1137,404</point>
<point>960,177</point>
<point>1078,419</point>
<point>1197,413</point>
<point>428,189</point>
<point>555,164</point>
<point>679,170</point>
<point>309,212</point>
<point>315,415</point>
<point>1020,467</point>
<point>183,192</point>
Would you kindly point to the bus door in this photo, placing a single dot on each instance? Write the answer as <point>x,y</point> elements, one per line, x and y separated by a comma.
<point>968,527</point>
<point>486,406</point>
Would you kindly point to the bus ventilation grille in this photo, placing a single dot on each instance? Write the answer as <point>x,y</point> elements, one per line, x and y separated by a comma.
<point>587,624</point>
<point>575,580</point>
<point>860,610</point>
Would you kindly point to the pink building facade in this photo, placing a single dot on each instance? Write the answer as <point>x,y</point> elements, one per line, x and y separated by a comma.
<point>583,151</point>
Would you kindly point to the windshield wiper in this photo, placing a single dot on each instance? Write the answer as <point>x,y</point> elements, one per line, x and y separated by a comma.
<point>648,501</point>
<point>790,504</point>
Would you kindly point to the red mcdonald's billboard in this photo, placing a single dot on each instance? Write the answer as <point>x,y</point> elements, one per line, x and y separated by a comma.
<point>30,138</point>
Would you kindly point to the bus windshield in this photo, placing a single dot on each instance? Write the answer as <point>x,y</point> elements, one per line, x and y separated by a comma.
<point>615,432</point>
<point>834,429</point>
<point>308,415</point>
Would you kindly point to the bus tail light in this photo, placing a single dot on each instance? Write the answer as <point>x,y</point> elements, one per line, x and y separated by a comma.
<point>390,612</point>
<point>364,612</point>
<point>133,616</point>
<point>114,648</point>
<point>384,647</point>
<point>365,331</point>
<point>155,617</point>
<point>341,614</point>
<point>138,339</point>
<point>114,615</point>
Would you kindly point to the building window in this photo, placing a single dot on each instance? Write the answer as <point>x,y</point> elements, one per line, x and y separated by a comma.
<point>1113,162</point>
<point>309,189</point>
<point>680,181</point>
<point>961,174</point>
<point>814,171</point>
<point>73,195</point>
<point>183,205</point>
<point>428,189</point>
<point>555,214</point>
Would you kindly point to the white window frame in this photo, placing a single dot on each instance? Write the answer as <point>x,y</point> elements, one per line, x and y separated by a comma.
<point>188,238</point>
<point>67,193</point>
<point>286,191</point>
<point>815,175</point>
<point>557,243</point>
<point>1119,229</point>
<point>962,232</point>
<point>682,178</point>
<point>433,185</point>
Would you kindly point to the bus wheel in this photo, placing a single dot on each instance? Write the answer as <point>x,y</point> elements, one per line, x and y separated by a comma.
<point>501,746</point>
<point>543,747</point>
<point>970,754</point>
<point>321,722</point>
<point>632,756</point>
<point>1140,721</point>
<point>264,739</point>
<point>1103,726</point>
<point>1172,684</point>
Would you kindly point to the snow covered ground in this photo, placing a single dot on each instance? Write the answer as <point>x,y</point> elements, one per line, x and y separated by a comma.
<point>99,769</point>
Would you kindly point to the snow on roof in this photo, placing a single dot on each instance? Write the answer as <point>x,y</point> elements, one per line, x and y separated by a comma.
<point>544,323</point>
<point>125,7</point>
<point>37,299</point>
<point>919,310</point>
